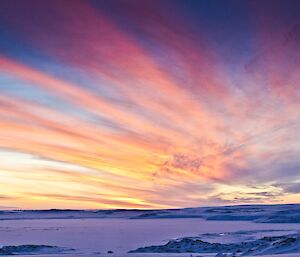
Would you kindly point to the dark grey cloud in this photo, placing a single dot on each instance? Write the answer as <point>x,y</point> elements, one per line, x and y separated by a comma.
<point>278,168</point>
<point>182,161</point>
<point>262,196</point>
<point>293,187</point>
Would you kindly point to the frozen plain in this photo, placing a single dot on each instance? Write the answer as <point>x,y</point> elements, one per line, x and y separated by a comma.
<point>122,231</point>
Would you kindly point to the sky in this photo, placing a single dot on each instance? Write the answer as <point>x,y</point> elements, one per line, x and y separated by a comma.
<point>149,104</point>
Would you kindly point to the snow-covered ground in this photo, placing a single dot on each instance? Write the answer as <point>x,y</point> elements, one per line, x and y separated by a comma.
<point>263,245</point>
<point>103,236</point>
<point>289,213</point>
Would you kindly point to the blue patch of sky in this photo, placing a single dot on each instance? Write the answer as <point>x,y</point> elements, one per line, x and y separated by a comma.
<point>13,47</point>
<point>16,48</point>
<point>14,87</point>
